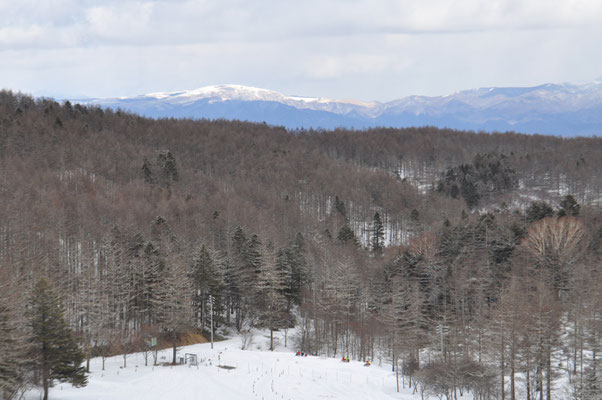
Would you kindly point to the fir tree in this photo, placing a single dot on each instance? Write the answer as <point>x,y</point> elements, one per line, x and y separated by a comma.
<point>54,353</point>
<point>538,210</point>
<point>340,207</point>
<point>167,163</point>
<point>378,234</point>
<point>569,207</point>
<point>206,280</point>
<point>146,170</point>
<point>271,302</point>
<point>176,303</point>
<point>346,235</point>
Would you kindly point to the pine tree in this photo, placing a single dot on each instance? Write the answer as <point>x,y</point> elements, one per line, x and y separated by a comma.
<point>538,210</point>
<point>271,302</point>
<point>147,171</point>
<point>175,303</point>
<point>378,234</point>
<point>346,235</point>
<point>207,282</point>
<point>292,267</point>
<point>569,207</point>
<point>340,207</point>
<point>54,353</point>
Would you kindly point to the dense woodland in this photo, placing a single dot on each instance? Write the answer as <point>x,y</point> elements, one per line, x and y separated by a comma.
<point>467,261</point>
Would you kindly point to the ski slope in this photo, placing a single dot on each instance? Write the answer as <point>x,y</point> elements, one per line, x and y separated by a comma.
<point>257,374</point>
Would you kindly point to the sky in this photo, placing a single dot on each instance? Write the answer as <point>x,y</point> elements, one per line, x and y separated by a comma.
<point>361,49</point>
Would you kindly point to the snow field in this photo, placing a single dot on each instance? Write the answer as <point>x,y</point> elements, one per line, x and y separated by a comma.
<point>257,374</point>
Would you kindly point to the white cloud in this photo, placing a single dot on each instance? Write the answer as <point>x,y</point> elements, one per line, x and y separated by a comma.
<point>366,49</point>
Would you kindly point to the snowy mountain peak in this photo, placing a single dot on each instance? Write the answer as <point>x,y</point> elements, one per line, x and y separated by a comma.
<point>563,109</point>
<point>222,92</point>
<point>231,92</point>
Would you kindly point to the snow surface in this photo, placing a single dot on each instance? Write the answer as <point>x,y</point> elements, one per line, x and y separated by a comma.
<point>258,374</point>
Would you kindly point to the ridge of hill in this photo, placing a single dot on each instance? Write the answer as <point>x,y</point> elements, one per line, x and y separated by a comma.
<point>558,109</point>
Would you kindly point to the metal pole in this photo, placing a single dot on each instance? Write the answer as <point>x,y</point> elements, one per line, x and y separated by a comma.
<point>211,304</point>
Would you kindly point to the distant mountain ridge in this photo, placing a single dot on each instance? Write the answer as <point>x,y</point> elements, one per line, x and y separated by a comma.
<point>557,109</point>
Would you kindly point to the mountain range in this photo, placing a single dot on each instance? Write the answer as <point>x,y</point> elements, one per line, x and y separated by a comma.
<point>555,109</point>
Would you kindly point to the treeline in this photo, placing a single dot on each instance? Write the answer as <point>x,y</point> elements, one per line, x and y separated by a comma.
<point>414,247</point>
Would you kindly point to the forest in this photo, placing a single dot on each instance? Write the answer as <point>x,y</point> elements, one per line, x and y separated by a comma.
<point>470,262</point>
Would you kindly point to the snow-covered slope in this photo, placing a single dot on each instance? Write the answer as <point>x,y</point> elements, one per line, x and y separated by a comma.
<point>257,374</point>
<point>225,93</point>
<point>562,109</point>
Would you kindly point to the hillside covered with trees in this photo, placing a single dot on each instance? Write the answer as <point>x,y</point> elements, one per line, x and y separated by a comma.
<point>472,261</point>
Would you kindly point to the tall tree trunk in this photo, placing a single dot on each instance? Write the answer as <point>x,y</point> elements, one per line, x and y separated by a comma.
<point>540,380</point>
<point>502,367</point>
<point>397,373</point>
<point>45,381</point>
<point>271,339</point>
<point>512,370</point>
<point>549,375</point>
<point>174,348</point>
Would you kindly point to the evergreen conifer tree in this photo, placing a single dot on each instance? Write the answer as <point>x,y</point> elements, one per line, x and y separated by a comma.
<point>206,281</point>
<point>538,210</point>
<point>271,301</point>
<point>346,235</point>
<point>378,234</point>
<point>569,207</point>
<point>54,353</point>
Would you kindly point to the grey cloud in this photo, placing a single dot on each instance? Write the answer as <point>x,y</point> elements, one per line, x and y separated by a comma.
<point>370,50</point>
<point>70,23</point>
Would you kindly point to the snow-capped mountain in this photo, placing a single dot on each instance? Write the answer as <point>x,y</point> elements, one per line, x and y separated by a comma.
<point>560,109</point>
<point>217,93</point>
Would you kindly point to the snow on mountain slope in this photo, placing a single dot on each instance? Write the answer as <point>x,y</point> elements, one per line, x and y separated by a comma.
<point>222,93</point>
<point>562,109</point>
<point>257,374</point>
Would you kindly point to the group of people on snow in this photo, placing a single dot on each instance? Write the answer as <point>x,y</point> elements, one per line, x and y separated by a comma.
<point>346,359</point>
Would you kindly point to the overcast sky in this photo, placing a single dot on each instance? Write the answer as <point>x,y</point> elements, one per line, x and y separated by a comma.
<point>363,49</point>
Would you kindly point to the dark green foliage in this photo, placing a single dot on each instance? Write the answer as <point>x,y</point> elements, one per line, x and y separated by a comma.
<point>146,289</point>
<point>292,267</point>
<point>470,192</point>
<point>569,207</point>
<point>54,353</point>
<point>163,170</point>
<point>489,174</point>
<point>378,234</point>
<point>167,165</point>
<point>339,206</point>
<point>414,215</point>
<point>253,256</point>
<point>147,172</point>
<point>236,263</point>
<point>205,275</point>
<point>346,235</point>
<point>538,210</point>
<point>243,272</point>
